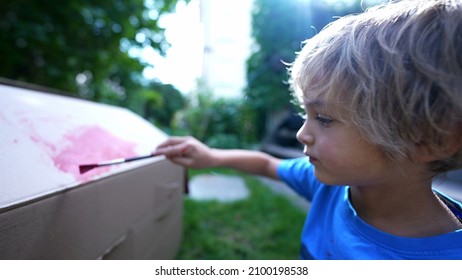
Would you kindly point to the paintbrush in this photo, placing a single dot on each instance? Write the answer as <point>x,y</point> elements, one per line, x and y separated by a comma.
<point>87,167</point>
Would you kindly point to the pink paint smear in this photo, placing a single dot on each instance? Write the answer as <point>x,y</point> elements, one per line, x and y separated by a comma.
<point>88,145</point>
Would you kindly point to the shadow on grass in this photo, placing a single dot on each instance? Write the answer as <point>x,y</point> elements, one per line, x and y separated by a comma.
<point>265,226</point>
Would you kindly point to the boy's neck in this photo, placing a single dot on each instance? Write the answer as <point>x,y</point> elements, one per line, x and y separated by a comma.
<point>411,210</point>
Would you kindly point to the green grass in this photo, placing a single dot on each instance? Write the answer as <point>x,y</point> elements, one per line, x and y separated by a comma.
<point>265,226</point>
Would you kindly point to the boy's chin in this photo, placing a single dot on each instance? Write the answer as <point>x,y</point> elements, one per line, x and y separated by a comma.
<point>327,180</point>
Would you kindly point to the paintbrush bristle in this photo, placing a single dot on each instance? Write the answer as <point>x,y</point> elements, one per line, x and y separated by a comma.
<point>86,168</point>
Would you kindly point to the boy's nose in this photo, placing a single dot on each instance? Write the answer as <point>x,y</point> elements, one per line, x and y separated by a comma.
<point>304,137</point>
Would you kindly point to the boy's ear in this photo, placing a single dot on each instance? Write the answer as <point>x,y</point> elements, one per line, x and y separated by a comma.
<point>423,154</point>
<point>451,145</point>
<point>455,140</point>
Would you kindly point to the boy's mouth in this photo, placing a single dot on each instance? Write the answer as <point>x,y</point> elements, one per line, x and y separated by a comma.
<point>311,158</point>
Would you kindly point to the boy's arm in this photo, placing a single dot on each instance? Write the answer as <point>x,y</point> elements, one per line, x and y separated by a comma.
<point>190,152</point>
<point>253,162</point>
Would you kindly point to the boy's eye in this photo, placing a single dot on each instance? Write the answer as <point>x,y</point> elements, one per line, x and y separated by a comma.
<point>323,120</point>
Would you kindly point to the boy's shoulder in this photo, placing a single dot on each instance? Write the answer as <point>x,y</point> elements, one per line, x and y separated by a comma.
<point>298,173</point>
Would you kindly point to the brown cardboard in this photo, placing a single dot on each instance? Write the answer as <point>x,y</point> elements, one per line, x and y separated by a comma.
<point>136,214</point>
<point>50,210</point>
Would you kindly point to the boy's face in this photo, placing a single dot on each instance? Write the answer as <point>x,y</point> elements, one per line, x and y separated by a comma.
<point>337,149</point>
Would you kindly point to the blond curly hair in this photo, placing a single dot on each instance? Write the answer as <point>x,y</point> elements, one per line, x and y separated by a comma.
<point>398,68</point>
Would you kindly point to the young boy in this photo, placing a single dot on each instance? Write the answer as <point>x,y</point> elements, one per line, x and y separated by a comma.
<point>382,92</point>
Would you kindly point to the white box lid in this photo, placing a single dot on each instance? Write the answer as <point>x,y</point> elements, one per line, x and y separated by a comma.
<point>45,137</point>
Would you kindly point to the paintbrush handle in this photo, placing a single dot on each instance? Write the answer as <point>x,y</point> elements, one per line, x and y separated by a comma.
<point>87,167</point>
<point>139,157</point>
<point>121,160</point>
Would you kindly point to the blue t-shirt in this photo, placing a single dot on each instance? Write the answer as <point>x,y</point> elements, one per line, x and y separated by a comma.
<point>333,230</point>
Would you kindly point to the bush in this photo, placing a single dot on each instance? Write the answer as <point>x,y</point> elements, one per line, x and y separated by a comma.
<point>218,122</point>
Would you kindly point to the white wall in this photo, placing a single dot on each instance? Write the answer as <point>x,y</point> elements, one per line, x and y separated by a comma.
<point>210,39</point>
<point>227,44</point>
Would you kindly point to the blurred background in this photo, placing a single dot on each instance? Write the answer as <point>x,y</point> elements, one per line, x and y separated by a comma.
<point>209,68</point>
<point>214,69</point>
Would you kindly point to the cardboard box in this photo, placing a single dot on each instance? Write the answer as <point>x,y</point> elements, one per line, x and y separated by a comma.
<point>50,211</point>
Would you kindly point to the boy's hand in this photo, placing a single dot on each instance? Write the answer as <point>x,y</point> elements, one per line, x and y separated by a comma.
<point>186,151</point>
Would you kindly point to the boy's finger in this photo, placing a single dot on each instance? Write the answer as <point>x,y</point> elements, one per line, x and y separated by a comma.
<point>171,141</point>
<point>183,161</point>
<point>179,150</point>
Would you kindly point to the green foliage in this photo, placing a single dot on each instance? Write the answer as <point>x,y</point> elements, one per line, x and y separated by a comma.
<point>276,28</point>
<point>219,122</point>
<point>265,226</point>
<point>161,104</point>
<point>81,46</point>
